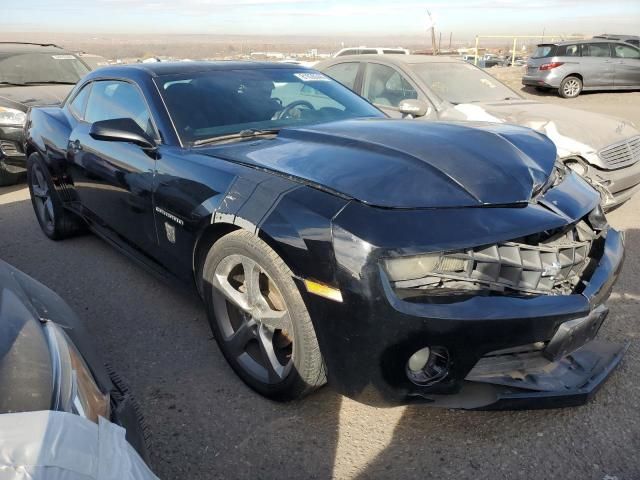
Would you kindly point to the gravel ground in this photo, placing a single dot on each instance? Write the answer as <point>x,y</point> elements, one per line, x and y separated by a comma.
<point>206,424</point>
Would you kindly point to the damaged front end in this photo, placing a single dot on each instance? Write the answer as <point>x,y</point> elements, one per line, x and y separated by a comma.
<point>508,321</point>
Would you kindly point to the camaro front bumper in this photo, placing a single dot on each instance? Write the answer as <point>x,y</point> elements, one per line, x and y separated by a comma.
<point>498,345</point>
<point>503,350</point>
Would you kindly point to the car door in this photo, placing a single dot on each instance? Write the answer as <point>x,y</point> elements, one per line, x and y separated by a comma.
<point>626,65</point>
<point>596,65</point>
<point>386,87</point>
<point>114,180</point>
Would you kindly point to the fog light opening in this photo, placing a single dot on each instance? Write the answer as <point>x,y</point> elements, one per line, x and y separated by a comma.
<point>428,365</point>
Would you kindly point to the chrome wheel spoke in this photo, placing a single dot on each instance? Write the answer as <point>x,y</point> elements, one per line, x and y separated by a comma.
<point>274,319</point>
<point>224,286</point>
<point>39,192</point>
<point>252,283</point>
<point>241,337</point>
<point>275,370</point>
<point>48,207</point>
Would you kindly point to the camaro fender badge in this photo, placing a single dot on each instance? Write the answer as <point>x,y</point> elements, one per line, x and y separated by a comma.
<point>171,232</point>
<point>170,216</point>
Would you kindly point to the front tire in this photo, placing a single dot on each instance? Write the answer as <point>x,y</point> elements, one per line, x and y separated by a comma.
<point>55,221</point>
<point>259,318</point>
<point>570,87</point>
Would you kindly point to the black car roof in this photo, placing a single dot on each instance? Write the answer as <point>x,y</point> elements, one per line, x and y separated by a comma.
<point>26,47</point>
<point>158,69</point>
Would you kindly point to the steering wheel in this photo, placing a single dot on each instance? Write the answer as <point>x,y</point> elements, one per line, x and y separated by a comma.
<point>298,103</point>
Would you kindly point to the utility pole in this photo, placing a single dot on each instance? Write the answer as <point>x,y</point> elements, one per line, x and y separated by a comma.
<point>432,26</point>
<point>440,43</point>
<point>450,38</point>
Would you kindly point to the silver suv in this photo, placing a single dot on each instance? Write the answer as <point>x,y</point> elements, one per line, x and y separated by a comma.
<point>574,66</point>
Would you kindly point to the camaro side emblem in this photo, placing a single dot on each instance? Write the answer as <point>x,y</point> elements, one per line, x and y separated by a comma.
<point>171,232</point>
<point>170,216</point>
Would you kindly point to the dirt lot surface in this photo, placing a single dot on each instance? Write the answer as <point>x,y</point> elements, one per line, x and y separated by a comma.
<point>206,424</point>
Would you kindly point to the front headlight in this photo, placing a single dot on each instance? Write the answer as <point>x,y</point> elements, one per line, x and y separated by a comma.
<point>11,116</point>
<point>75,390</point>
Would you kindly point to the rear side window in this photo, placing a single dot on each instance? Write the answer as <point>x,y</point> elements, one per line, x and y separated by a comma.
<point>80,101</point>
<point>622,51</point>
<point>115,99</point>
<point>391,51</point>
<point>345,73</point>
<point>634,42</point>
<point>368,51</point>
<point>347,52</point>
<point>596,50</point>
<point>544,51</point>
<point>567,51</point>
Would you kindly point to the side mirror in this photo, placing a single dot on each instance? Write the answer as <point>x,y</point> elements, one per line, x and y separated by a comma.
<point>415,108</point>
<point>121,130</point>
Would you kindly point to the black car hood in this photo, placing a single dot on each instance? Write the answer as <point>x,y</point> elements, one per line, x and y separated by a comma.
<point>407,164</point>
<point>26,381</point>
<point>34,95</point>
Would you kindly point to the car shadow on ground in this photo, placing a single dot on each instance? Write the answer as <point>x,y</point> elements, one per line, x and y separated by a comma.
<point>207,424</point>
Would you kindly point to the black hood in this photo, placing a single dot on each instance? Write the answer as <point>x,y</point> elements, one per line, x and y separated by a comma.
<point>34,95</point>
<point>407,164</point>
<point>26,380</point>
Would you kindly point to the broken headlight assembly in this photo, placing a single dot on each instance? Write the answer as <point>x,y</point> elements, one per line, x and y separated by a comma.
<point>75,390</point>
<point>550,263</point>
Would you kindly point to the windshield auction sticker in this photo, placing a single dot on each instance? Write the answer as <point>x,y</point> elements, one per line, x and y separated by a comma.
<point>63,57</point>
<point>312,77</point>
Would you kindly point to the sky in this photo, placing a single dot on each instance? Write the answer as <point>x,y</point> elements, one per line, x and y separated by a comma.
<point>324,18</point>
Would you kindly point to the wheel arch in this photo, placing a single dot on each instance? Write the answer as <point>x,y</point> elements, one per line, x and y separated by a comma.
<point>207,238</point>
<point>578,75</point>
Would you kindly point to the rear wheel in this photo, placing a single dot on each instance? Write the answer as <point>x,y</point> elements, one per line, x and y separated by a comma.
<point>56,222</point>
<point>10,175</point>
<point>259,319</point>
<point>570,87</point>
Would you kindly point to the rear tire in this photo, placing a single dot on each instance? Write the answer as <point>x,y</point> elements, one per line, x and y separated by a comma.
<point>259,318</point>
<point>570,87</point>
<point>10,175</point>
<point>55,221</point>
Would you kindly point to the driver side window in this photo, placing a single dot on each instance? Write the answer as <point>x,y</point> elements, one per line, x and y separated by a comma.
<point>110,99</point>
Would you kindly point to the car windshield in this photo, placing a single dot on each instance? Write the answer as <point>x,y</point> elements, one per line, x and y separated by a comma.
<point>30,68</point>
<point>219,103</point>
<point>462,83</point>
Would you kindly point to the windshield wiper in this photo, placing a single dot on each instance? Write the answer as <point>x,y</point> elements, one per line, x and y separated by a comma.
<point>249,133</point>
<point>13,84</point>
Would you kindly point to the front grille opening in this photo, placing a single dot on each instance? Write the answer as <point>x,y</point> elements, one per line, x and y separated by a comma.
<point>554,262</point>
<point>621,154</point>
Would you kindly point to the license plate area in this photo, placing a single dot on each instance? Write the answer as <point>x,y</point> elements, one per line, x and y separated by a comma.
<point>574,334</point>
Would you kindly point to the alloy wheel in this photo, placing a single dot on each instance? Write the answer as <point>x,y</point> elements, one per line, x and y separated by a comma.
<point>571,87</point>
<point>42,198</point>
<point>253,318</point>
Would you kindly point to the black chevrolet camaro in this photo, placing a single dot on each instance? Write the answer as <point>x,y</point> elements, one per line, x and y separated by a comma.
<point>451,264</point>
